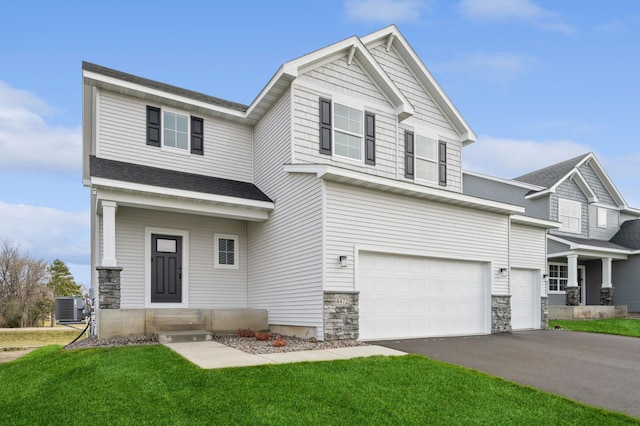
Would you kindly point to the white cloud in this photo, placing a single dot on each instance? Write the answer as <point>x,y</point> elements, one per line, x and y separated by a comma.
<point>499,67</point>
<point>28,142</point>
<point>47,233</point>
<point>520,10</point>
<point>508,158</point>
<point>385,11</point>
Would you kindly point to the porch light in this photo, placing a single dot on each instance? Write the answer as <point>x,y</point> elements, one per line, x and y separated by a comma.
<point>503,272</point>
<point>343,261</point>
<point>545,277</point>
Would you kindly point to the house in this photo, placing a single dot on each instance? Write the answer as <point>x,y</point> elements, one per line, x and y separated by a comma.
<point>594,256</point>
<point>331,207</point>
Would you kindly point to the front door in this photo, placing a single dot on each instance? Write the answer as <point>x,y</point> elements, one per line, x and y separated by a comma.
<point>166,269</point>
<point>582,284</point>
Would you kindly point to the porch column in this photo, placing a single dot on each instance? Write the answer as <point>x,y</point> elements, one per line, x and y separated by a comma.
<point>606,290</point>
<point>109,233</point>
<point>572,290</point>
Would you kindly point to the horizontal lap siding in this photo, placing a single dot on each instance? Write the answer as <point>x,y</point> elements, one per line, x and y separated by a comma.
<point>527,248</point>
<point>285,271</point>
<point>625,277</point>
<point>208,287</point>
<point>613,224</point>
<point>425,109</point>
<point>357,216</point>
<point>122,136</point>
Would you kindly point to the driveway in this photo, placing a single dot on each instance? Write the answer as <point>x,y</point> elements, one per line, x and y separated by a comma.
<point>596,369</point>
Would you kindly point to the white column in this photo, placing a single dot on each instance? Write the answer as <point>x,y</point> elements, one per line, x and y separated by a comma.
<point>109,233</point>
<point>606,272</point>
<point>572,260</point>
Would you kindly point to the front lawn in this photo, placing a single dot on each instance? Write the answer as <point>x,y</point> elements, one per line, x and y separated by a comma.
<point>41,337</point>
<point>620,326</point>
<point>153,385</point>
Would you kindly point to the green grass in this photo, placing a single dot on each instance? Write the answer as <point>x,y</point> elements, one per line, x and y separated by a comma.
<point>153,385</point>
<point>11,338</point>
<point>620,326</point>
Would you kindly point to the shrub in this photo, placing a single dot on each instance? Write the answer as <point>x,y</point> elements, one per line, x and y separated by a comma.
<point>245,332</point>
<point>263,335</point>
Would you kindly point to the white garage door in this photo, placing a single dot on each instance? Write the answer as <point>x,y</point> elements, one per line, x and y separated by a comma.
<point>404,296</point>
<point>525,300</point>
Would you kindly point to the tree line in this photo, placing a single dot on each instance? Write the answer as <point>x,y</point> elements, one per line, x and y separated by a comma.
<point>28,287</point>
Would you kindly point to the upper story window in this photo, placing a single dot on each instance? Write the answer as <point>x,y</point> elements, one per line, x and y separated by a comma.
<point>174,130</point>
<point>347,131</point>
<point>425,158</point>
<point>570,215</point>
<point>602,217</point>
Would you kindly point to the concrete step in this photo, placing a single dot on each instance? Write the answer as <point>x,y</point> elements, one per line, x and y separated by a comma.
<point>183,336</point>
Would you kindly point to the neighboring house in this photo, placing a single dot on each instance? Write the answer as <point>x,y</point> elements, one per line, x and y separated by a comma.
<point>333,202</point>
<point>594,257</point>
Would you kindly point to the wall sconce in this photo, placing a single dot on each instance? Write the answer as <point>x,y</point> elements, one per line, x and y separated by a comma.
<point>343,261</point>
<point>545,277</point>
<point>503,272</point>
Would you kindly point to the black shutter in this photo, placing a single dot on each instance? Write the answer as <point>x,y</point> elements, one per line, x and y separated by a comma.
<point>370,138</point>
<point>408,154</point>
<point>325,126</point>
<point>442,162</point>
<point>153,126</point>
<point>197,136</point>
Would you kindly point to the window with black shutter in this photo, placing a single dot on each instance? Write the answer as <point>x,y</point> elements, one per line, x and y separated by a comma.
<point>173,130</point>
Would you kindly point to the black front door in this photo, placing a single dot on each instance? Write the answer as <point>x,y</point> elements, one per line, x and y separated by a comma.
<point>166,269</point>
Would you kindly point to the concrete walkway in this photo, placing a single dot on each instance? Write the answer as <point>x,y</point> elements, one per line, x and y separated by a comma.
<point>216,355</point>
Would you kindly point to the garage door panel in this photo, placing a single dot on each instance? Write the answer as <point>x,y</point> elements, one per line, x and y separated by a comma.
<point>428,297</point>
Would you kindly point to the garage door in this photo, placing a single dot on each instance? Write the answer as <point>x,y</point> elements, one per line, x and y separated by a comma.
<point>525,299</point>
<point>404,296</point>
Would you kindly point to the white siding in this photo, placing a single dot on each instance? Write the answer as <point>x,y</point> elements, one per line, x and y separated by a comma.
<point>122,136</point>
<point>528,250</point>
<point>208,287</point>
<point>285,272</point>
<point>358,216</point>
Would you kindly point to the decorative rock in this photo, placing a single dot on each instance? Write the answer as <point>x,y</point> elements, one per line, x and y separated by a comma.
<point>544,313</point>
<point>341,316</point>
<point>573,296</point>
<point>606,296</point>
<point>109,287</point>
<point>500,314</point>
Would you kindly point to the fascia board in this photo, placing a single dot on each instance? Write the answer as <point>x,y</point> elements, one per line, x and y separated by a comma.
<point>179,193</point>
<point>587,248</point>
<point>337,174</point>
<point>532,221</point>
<point>112,83</point>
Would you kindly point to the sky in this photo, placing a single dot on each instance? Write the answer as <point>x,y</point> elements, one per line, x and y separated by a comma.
<point>539,81</point>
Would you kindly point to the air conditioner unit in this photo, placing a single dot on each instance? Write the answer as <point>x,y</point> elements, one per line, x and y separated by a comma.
<point>69,310</point>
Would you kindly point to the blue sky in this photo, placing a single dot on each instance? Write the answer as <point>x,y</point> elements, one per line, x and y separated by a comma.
<point>539,81</point>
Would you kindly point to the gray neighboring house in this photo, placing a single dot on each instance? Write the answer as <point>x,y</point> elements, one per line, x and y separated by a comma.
<point>594,256</point>
<point>332,206</point>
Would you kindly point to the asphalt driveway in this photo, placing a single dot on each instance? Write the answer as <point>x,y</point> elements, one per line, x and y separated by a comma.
<point>597,369</point>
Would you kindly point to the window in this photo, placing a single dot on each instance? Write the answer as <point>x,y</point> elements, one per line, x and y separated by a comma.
<point>225,251</point>
<point>426,158</point>
<point>602,217</point>
<point>558,277</point>
<point>570,215</point>
<point>348,131</point>
<point>175,131</point>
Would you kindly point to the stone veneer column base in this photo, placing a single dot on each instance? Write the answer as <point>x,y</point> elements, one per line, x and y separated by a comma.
<point>544,313</point>
<point>500,314</point>
<point>341,315</point>
<point>572,296</point>
<point>109,287</point>
<point>606,296</point>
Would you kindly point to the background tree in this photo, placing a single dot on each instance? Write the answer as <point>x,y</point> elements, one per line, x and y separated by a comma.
<point>24,297</point>
<point>61,283</point>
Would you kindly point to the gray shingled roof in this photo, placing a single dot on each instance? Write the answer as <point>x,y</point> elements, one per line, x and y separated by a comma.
<point>549,176</point>
<point>99,69</point>
<point>628,235</point>
<point>593,243</point>
<point>136,173</point>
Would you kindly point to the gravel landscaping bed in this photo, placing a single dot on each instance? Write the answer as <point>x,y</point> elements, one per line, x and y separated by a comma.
<point>246,344</point>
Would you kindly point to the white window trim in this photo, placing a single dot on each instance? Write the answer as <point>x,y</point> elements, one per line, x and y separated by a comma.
<point>163,147</point>
<point>602,213</point>
<point>584,279</point>
<point>216,251</point>
<point>569,203</point>
<point>350,105</point>
<point>416,157</point>
<point>147,267</point>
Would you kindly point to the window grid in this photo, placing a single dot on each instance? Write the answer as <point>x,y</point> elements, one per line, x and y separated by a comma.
<point>348,130</point>
<point>570,215</point>
<point>558,277</point>
<point>426,158</point>
<point>176,130</point>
